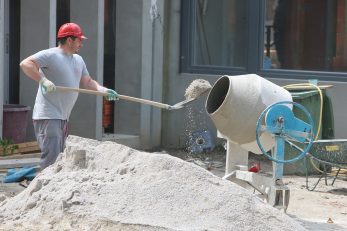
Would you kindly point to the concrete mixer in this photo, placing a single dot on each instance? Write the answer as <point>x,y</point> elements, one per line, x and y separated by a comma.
<point>255,115</point>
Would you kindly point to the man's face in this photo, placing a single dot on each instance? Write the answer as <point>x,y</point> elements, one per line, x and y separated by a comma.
<point>75,45</point>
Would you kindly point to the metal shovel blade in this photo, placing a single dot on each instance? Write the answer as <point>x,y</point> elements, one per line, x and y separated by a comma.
<point>184,103</point>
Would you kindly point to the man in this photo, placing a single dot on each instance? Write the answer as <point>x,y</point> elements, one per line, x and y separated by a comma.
<point>62,66</point>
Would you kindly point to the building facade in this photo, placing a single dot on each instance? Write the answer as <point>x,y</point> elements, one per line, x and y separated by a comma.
<point>153,49</point>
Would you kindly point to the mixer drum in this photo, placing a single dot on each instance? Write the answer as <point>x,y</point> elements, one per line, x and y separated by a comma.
<point>235,104</point>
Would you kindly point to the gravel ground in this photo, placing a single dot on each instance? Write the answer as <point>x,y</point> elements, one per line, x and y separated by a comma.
<point>324,209</point>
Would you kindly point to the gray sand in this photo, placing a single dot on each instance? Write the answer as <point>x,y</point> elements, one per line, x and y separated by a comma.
<point>107,186</point>
<point>196,88</point>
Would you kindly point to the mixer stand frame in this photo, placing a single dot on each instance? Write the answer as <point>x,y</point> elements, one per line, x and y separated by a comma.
<point>271,186</point>
<point>283,125</point>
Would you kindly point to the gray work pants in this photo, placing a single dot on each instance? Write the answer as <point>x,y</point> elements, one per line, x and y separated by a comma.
<point>51,135</point>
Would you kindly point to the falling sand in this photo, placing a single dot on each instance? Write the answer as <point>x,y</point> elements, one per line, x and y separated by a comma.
<point>196,88</point>
<point>107,186</point>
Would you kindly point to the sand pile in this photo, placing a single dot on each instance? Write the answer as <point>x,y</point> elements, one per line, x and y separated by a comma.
<point>107,186</point>
<point>196,88</point>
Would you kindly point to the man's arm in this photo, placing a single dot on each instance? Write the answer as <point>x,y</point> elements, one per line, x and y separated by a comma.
<point>31,69</point>
<point>88,83</point>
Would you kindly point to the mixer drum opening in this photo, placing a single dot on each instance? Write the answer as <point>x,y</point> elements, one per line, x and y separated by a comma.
<point>217,94</point>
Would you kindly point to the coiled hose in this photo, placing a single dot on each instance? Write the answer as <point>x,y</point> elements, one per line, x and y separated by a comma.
<point>309,86</point>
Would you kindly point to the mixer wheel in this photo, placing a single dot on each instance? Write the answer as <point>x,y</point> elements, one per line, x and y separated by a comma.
<point>279,121</point>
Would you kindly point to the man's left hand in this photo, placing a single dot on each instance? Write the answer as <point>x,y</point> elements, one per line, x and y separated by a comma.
<point>111,95</point>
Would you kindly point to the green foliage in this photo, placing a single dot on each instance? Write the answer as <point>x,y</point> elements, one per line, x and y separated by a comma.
<point>8,148</point>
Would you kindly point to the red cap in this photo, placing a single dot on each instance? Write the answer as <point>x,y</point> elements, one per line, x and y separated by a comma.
<point>71,29</point>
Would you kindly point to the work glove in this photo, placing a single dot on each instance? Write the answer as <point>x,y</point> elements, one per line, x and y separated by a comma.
<point>46,85</point>
<point>111,94</point>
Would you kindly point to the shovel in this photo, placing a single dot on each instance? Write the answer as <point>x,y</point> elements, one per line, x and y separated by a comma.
<point>130,98</point>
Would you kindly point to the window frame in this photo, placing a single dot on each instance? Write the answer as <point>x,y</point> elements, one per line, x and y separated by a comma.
<point>254,49</point>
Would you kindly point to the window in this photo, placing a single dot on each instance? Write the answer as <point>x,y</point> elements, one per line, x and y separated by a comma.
<point>306,35</point>
<point>217,34</point>
<point>273,38</point>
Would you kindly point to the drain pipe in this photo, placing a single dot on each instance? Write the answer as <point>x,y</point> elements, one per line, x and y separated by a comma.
<point>2,52</point>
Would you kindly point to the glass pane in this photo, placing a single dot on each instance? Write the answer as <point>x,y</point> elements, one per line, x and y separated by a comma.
<point>306,35</point>
<point>220,33</point>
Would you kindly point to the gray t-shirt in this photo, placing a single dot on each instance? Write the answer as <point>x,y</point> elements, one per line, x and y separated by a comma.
<point>63,70</point>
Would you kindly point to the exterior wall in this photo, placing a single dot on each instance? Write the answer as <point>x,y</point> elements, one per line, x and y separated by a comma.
<point>128,65</point>
<point>147,66</point>
<point>2,51</point>
<point>34,37</point>
<point>176,124</point>
<point>138,72</point>
<point>152,72</point>
<point>85,119</point>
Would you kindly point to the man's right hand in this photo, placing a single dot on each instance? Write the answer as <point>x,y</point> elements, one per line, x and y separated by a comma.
<point>47,85</point>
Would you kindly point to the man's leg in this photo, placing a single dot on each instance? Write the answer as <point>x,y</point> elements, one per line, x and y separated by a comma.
<point>51,136</point>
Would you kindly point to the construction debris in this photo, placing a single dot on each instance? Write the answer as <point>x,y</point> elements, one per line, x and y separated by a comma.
<point>18,163</point>
<point>27,147</point>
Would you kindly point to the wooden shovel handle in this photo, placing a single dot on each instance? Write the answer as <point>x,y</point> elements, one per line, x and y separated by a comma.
<point>80,90</point>
<point>124,97</point>
<point>145,101</point>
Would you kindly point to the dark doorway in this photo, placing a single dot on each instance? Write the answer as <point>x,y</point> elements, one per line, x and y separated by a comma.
<point>109,62</point>
<point>63,12</point>
<point>14,50</point>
